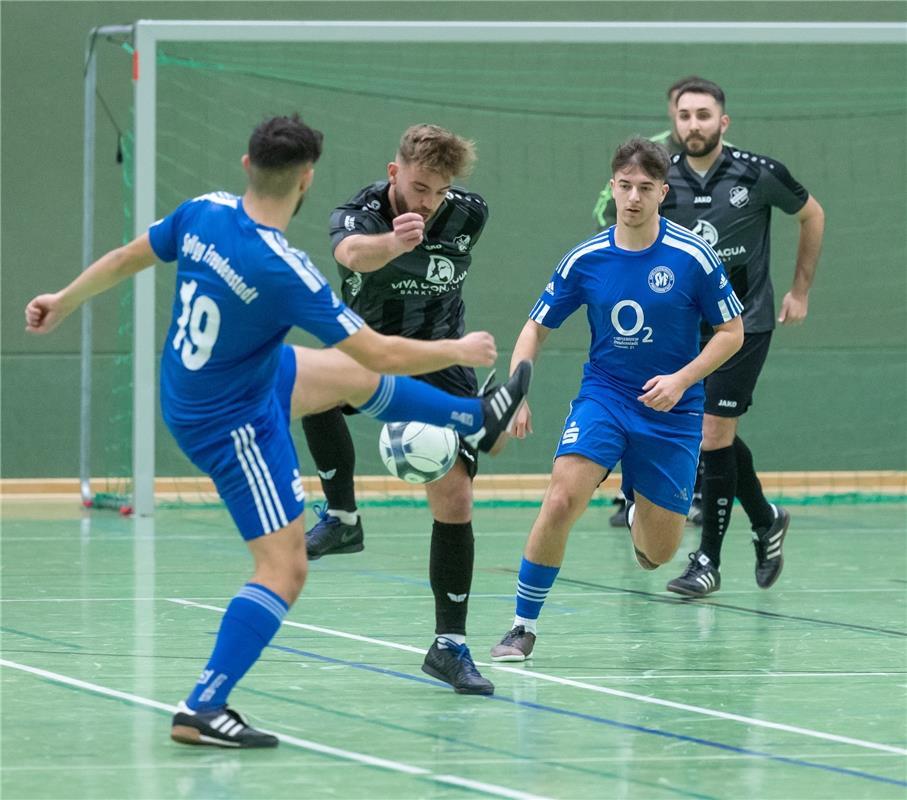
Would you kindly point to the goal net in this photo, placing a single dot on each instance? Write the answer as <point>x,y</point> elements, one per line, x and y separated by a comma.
<point>546,105</point>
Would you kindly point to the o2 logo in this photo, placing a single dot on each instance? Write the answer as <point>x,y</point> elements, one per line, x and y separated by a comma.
<point>196,328</point>
<point>632,312</point>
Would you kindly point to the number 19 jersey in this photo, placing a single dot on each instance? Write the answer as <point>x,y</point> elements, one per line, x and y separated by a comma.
<point>240,288</point>
<point>644,308</point>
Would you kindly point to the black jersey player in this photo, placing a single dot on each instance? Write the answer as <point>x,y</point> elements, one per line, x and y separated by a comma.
<point>404,248</point>
<point>726,195</point>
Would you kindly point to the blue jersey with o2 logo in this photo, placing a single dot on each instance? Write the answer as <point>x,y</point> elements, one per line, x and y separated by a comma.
<point>240,287</point>
<point>644,308</point>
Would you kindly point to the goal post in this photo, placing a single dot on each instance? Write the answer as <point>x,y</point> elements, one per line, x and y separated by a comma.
<point>148,35</point>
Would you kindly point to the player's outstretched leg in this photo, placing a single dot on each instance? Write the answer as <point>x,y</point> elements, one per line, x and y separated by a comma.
<point>500,406</point>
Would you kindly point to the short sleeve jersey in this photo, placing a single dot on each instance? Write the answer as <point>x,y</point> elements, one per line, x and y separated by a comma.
<point>644,308</point>
<point>240,287</point>
<point>418,294</point>
<point>731,208</point>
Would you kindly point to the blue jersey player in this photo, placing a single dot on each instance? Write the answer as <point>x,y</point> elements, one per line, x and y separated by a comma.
<point>646,284</point>
<point>229,385</point>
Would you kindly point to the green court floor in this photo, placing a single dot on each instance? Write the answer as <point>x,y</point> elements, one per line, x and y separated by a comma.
<point>797,692</point>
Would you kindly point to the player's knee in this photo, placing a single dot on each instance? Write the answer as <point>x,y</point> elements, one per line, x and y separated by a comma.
<point>655,551</point>
<point>561,501</point>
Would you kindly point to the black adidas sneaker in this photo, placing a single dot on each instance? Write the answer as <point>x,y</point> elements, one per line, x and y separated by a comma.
<point>499,405</point>
<point>700,578</point>
<point>223,727</point>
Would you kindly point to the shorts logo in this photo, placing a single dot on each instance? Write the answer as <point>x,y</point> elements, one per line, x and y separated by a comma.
<point>571,434</point>
<point>549,289</point>
<point>462,242</point>
<point>739,196</point>
<point>727,404</point>
<point>661,280</point>
<point>707,231</point>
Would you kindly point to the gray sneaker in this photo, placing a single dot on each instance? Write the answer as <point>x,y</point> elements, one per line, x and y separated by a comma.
<point>516,645</point>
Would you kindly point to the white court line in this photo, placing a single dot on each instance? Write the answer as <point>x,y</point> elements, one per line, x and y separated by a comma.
<point>779,726</point>
<point>305,744</point>
<point>485,595</point>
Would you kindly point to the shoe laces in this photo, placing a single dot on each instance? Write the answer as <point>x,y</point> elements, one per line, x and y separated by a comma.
<point>461,651</point>
<point>694,566</point>
<point>513,634</point>
<point>322,511</point>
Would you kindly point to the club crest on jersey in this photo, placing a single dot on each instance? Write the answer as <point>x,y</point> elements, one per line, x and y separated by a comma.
<point>661,280</point>
<point>440,270</point>
<point>354,283</point>
<point>739,196</point>
<point>462,242</point>
<point>707,231</point>
<point>374,205</point>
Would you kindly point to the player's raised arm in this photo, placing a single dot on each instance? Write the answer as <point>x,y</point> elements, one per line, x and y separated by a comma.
<point>368,252</point>
<point>46,311</point>
<point>398,355</point>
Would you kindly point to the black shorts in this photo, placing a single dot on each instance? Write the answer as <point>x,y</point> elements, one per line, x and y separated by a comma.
<point>458,381</point>
<point>729,389</point>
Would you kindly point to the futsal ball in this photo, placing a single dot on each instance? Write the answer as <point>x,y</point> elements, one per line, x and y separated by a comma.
<point>416,452</point>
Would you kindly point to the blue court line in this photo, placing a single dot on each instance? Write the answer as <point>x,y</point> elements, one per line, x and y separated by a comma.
<point>602,720</point>
<point>41,638</point>
<point>530,761</point>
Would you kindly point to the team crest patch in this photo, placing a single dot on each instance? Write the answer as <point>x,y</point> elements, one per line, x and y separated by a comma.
<point>462,242</point>
<point>707,231</point>
<point>739,196</point>
<point>661,280</point>
<point>354,283</point>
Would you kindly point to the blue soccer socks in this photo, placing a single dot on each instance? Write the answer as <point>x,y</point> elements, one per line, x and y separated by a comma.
<point>248,625</point>
<point>401,399</point>
<point>533,585</point>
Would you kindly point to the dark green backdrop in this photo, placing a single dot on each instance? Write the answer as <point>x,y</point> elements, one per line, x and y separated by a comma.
<point>545,120</point>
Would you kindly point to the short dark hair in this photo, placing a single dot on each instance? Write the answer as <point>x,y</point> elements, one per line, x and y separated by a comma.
<point>680,83</point>
<point>702,86</point>
<point>649,156</point>
<point>276,146</point>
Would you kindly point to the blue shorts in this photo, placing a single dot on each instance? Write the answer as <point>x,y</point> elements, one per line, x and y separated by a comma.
<point>658,451</point>
<point>252,460</point>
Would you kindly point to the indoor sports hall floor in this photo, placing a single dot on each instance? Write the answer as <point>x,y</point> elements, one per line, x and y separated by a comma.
<point>797,692</point>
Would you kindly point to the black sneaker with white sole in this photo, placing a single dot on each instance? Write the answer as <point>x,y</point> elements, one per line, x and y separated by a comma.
<point>499,405</point>
<point>516,645</point>
<point>453,664</point>
<point>700,578</point>
<point>223,727</point>
<point>768,544</point>
<point>330,536</point>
